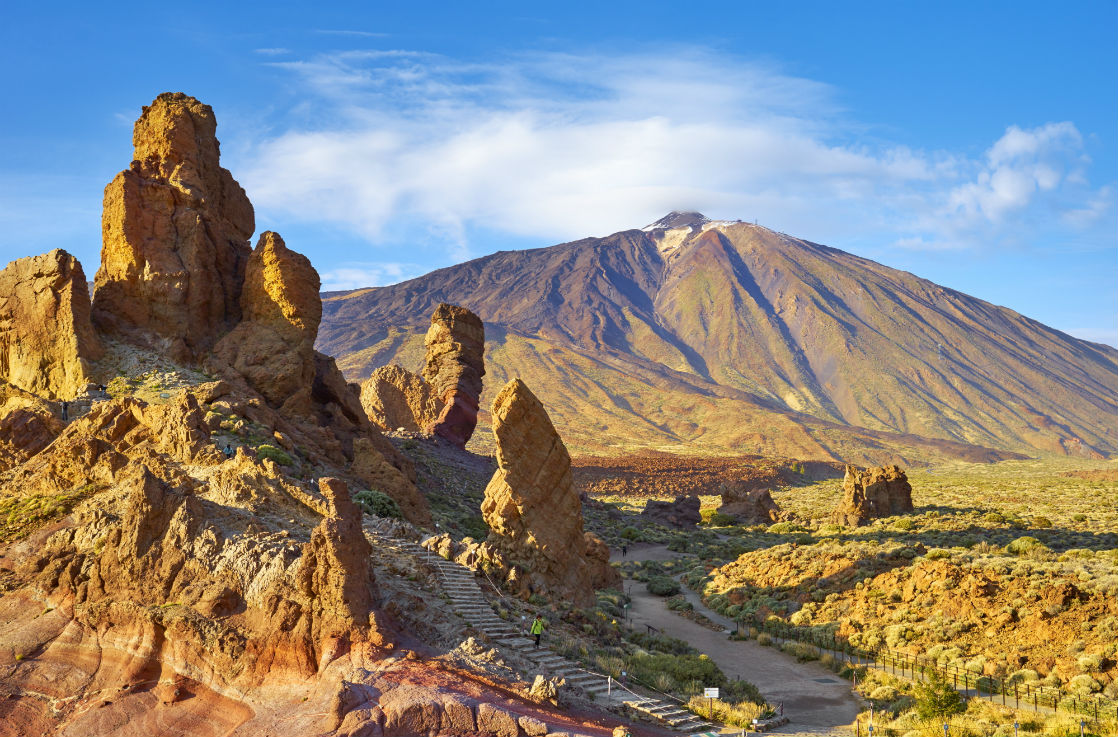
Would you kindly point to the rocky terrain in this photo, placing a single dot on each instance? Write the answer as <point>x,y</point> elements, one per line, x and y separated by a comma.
<point>716,338</point>
<point>183,546</point>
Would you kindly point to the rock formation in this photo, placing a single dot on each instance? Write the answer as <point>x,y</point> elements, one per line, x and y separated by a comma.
<point>175,231</point>
<point>455,365</point>
<point>46,337</point>
<point>395,398</point>
<point>530,504</point>
<point>683,511</point>
<point>273,346</point>
<point>749,505</point>
<point>875,492</point>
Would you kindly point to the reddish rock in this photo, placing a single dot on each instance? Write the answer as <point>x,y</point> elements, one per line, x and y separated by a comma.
<point>273,347</point>
<point>749,505</point>
<point>683,511</point>
<point>175,231</point>
<point>533,512</point>
<point>875,492</point>
<point>395,398</point>
<point>455,366</point>
<point>46,338</point>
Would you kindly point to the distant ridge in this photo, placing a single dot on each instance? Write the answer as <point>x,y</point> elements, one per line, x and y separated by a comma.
<point>693,335</point>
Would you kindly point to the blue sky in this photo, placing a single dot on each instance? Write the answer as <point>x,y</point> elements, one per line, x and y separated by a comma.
<point>974,144</point>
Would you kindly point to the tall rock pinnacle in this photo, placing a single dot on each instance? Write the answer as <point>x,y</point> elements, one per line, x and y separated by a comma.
<point>175,231</point>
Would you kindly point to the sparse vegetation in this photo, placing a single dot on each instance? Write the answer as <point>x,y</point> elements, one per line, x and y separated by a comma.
<point>272,453</point>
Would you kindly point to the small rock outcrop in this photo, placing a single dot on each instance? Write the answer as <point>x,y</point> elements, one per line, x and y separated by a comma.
<point>532,509</point>
<point>683,511</point>
<point>175,231</point>
<point>455,366</point>
<point>749,505</point>
<point>273,347</point>
<point>394,398</point>
<point>46,337</point>
<point>875,492</point>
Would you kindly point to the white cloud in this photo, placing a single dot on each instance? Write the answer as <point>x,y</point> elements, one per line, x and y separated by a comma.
<point>272,51</point>
<point>1020,166</point>
<point>357,275</point>
<point>556,146</point>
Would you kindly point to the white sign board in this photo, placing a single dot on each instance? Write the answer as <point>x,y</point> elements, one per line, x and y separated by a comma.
<point>710,693</point>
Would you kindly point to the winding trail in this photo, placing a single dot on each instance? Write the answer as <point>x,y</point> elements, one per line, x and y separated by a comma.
<point>815,700</point>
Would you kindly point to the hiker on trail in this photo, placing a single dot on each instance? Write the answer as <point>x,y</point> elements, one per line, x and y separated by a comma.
<point>537,628</point>
<point>65,411</point>
<point>228,451</point>
<point>624,550</point>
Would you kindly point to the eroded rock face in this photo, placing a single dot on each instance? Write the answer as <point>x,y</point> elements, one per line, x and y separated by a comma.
<point>455,366</point>
<point>749,505</point>
<point>530,505</point>
<point>394,398</point>
<point>175,231</point>
<point>46,337</point>
<point>27,425</point>
<point>273,346</point>
<point>683,511</point>
<point>875,492</point>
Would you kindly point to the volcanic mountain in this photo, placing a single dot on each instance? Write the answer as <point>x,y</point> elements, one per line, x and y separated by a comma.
<point>700,336</point>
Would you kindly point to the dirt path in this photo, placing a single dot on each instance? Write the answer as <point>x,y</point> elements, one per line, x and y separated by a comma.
<point>815,699</point>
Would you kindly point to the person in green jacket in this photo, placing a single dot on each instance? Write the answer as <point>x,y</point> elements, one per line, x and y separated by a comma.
<point>537,628</point>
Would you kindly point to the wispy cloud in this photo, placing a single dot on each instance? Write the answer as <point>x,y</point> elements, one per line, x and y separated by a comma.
<point>272,51</point>
<point>556,145</point>
<point>358,275</point>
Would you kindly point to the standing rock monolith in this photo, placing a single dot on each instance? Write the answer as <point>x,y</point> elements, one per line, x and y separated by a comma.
<point>749,505</point>
<point>531,506</point>
<point>875,492</point>
<point>46,337</point>
<point>175,230</point>
<point>455,365</point>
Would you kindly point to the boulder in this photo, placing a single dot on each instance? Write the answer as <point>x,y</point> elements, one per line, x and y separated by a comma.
<point>394,398</point>
<point>875,492</point>
<point>46,337</point>
<point>455,366</point>
<point>531,506</point>
<point>175,231</point>
<point>749,505</point>
<point>683,511</point>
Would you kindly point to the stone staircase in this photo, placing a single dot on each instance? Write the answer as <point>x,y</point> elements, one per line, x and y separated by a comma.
<point>468,601</point>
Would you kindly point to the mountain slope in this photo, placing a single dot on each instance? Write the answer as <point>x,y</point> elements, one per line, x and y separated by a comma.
<point>692,334</point>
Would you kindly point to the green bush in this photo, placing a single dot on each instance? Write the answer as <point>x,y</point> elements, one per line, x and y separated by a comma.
<point>937,699</point>
<point>663,586</point>
<point>632,533</point>
<point>714,518</point>
<point>680,604</point>
<point>378,504</point>
<point>1041,522</point>
<point>1023,545</point>
<point>273,453</point>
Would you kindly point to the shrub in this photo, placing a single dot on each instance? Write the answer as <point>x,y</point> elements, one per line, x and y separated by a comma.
<point>906,524</point>
<point>1041,522</point>
<point>1079,518</point>
<point>714,518</point>
<point>378,504</point>
<point>937,699</point>
<point>273,453</point>
<point>785,528</point>
<point>632,533</point>
<point>1023,545</point>
<point>680,604</point>
<point>663,586</point>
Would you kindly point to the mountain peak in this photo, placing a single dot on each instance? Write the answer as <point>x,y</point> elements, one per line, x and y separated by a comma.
<point>677,219</point>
